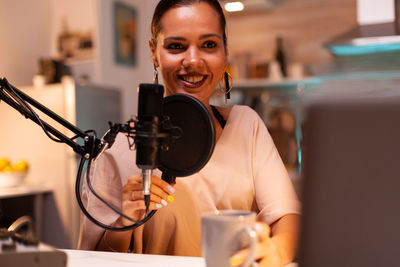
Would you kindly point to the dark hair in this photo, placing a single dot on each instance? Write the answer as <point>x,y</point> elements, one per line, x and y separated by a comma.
<point>164,5</point>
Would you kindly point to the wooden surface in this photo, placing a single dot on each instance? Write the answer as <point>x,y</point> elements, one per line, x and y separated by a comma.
<point>305,26</point>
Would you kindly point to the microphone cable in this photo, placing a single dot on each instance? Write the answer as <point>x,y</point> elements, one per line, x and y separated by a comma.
<point>86,212</point>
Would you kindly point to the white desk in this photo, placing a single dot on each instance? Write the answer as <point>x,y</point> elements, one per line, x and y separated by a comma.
<point>82,258</point>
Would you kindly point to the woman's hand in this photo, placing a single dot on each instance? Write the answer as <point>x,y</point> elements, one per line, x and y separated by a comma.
<point>133,198</point>
<point>278,249</point>
<point>267,252</point>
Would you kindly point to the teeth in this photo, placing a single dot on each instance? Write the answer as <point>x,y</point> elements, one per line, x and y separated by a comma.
<point>193,78</point>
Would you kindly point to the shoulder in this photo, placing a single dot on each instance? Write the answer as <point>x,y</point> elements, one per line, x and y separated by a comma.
<point>243,120</point>
<point>244,114</point>
<point>237,111</point>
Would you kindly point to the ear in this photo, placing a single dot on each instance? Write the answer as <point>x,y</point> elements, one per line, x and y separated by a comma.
<point>153,47</point>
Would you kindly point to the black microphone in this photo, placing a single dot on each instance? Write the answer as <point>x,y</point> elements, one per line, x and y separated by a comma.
<point>148,132</point>
<point>175,134</point>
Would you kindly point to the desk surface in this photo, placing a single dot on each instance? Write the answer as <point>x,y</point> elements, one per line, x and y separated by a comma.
<point>82,258</point>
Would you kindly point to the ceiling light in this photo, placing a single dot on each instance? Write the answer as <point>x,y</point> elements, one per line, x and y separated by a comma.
<point>234,6</point>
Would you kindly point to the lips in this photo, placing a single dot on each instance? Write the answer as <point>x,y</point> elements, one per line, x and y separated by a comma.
<point>192,80</point>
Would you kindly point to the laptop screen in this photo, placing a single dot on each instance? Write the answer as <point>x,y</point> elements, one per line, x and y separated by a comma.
<point>351,182</point>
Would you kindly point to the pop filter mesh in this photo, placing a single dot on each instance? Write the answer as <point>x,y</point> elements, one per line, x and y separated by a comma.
<point>189,153</point>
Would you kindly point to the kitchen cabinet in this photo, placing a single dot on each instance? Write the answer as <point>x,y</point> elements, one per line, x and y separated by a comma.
<point>36,201</point>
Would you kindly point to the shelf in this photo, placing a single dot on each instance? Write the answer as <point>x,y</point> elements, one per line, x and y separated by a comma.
<point>25,190</point>
<point>347,50</point>
<point>367,39</point>
<point>285,86</point>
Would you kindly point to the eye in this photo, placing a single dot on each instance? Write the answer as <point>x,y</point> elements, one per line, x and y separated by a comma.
<point>175,46</point>
<point>209,44</point>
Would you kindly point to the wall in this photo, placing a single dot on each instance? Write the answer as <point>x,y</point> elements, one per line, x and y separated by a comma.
<point>30,30</point>
<point>110,73</point>
<point>97,15</point>
<point>77,15</point>
<point>305,26</point>
<point>25,36</point>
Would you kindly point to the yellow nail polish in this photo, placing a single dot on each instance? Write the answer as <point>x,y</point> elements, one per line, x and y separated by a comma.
<point>170,198</point>
<point>236,260</point>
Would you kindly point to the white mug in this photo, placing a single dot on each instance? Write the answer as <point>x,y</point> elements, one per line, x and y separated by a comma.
<point>225,232</point>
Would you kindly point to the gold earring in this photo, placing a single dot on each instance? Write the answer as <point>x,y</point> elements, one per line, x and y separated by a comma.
<point>155,75</point>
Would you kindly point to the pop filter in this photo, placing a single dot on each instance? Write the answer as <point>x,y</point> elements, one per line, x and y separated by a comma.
<point>188,154</point>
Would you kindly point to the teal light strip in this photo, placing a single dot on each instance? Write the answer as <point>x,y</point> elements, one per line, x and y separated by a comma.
<point>348,50</point>
<point>365,75</point>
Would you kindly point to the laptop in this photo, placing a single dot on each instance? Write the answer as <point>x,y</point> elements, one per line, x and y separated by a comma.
<point>351,182</point>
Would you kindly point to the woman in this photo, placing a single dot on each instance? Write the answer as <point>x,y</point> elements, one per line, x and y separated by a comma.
<point>189,47</point>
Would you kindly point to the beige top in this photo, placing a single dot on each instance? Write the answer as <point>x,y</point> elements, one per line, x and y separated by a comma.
<point>245,172</point>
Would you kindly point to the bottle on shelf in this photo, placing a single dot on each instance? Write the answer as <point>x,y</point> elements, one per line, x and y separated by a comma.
<point>280,56</point>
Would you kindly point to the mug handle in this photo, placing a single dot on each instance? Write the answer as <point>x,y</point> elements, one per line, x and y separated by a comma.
<point>252,248</point>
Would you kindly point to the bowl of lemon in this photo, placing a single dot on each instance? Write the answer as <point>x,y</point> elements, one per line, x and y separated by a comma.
<point>12,173</point>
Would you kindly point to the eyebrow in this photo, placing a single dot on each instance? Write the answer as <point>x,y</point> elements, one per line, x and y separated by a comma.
<point>210,35</point>
<point>204,36</point>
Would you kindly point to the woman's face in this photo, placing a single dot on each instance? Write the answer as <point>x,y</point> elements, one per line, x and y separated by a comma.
<point>190,51</point>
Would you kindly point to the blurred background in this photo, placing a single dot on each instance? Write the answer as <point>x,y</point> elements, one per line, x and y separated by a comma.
<point>85,59</point>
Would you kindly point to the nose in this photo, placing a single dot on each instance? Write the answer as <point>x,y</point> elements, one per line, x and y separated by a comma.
<point>192,59</point>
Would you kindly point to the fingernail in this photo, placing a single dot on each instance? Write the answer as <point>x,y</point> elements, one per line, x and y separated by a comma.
<point>165,203</point>
<point>170,198</point>
<point>159,206</point>
<point>236,260</point>
<point>170,189</point>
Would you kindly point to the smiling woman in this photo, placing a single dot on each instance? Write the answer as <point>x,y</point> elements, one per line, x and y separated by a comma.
<point>189,48</point>
<point>192,59</point>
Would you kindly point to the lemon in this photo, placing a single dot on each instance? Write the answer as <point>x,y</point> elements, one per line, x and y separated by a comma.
<point>7,168</point>
<point>20,166</point>
<point>4,162</point>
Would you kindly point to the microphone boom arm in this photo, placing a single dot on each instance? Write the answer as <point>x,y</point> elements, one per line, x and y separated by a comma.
<point>92,148</point>
<point>16,99</point>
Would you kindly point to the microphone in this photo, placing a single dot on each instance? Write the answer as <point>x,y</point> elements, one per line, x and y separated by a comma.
<point>148,133</point>
<point>164,130</point>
